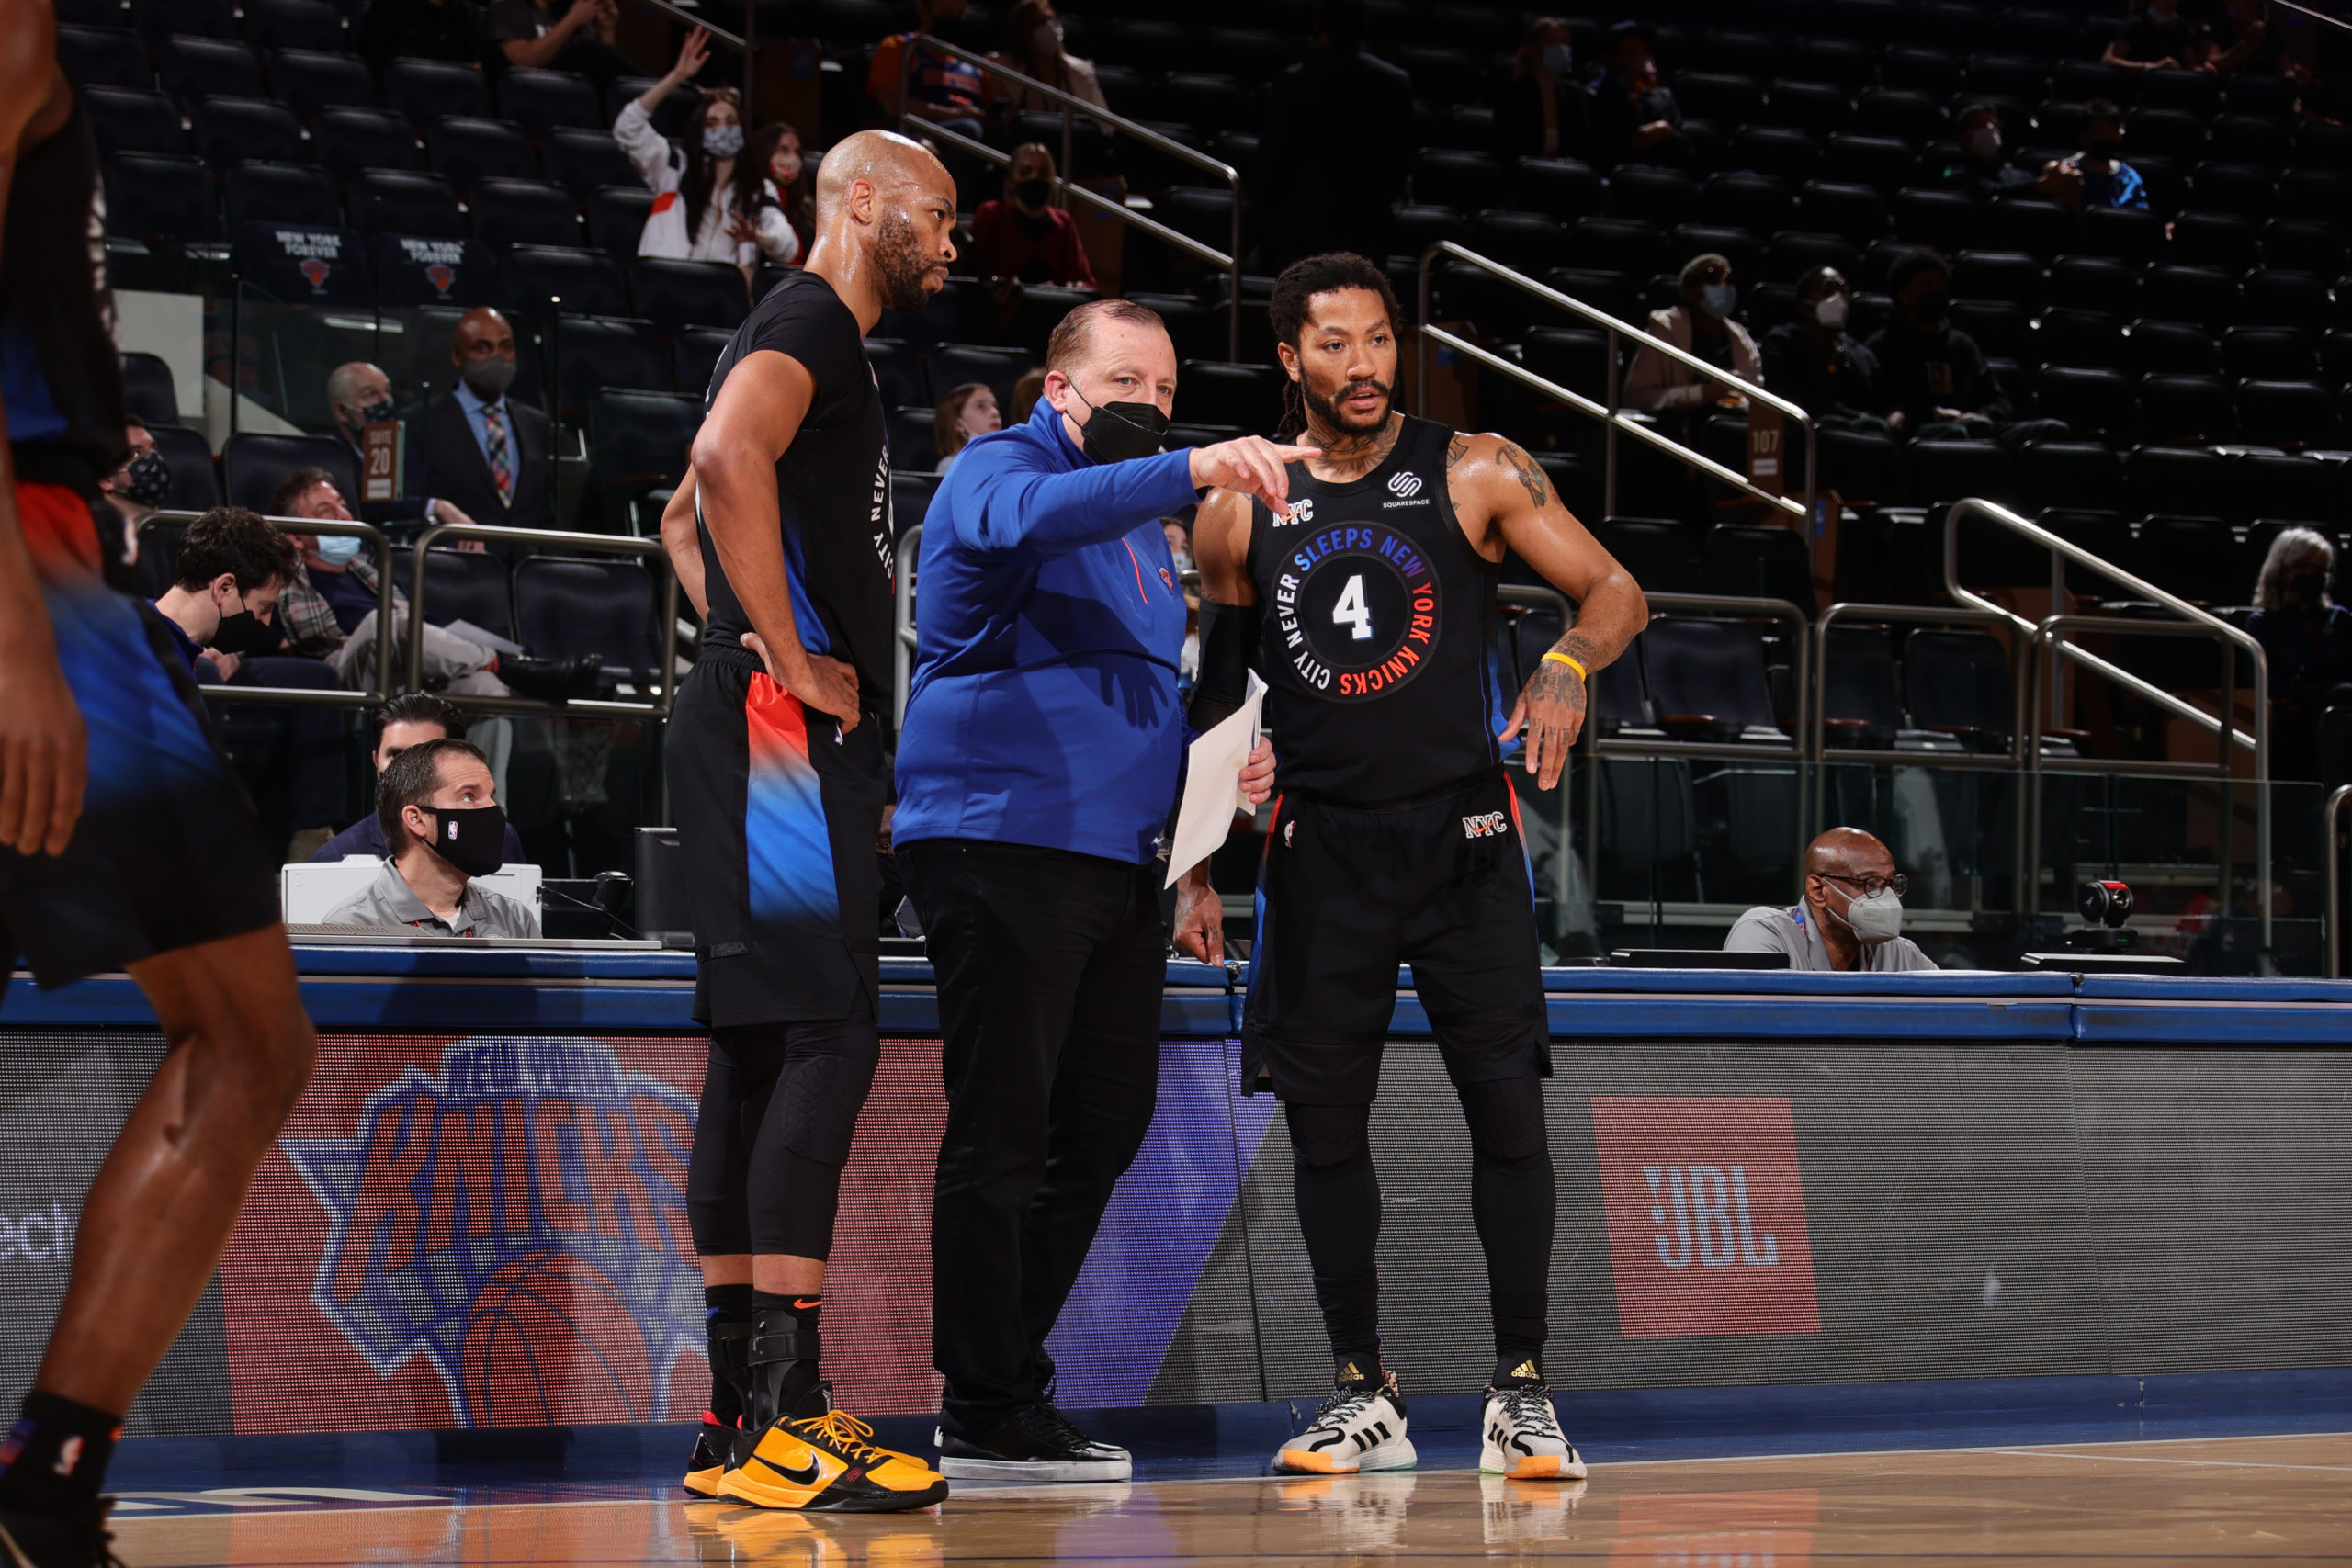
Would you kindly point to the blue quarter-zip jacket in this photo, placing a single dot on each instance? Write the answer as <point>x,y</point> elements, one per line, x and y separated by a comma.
<point>1048,624</point>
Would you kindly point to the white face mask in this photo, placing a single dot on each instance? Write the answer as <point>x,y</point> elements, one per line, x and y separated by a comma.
<point>1874,917</point>
<point>1831,311</point>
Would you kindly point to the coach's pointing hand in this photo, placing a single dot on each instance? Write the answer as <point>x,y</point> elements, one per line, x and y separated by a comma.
<point>1253,466</point>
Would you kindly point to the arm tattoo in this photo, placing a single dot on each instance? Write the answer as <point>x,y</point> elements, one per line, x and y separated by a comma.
<point>1455,450</point>
<point>1529,476</point>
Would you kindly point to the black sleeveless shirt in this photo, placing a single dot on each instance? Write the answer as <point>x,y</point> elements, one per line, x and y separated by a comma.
<point>61,373</point>
<point>1377,631</point>
<point>832,488</point>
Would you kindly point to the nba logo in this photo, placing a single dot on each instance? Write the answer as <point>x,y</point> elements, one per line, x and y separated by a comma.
<point>518,1220</point>
<point>314,272</point>
<point>442,276</point>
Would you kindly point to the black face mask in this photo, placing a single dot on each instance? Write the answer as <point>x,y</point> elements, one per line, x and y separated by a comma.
<point>1032,193</point>
<point>1120,432</point>
<point>236,632</point>
<point>147,480</point>
<point>1933,308</point>
<point>472,838</point>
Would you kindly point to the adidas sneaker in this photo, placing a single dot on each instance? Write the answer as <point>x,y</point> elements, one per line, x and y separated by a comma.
<point>1523,1440</point>
<point>1360,1428</point>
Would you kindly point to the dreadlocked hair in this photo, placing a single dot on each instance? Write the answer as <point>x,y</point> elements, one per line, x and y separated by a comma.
<point>1286,312</point>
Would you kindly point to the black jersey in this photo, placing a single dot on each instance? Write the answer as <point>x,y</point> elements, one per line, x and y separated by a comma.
<point>833,487</point>
<point>61,374</point>
<point>1377,629</point>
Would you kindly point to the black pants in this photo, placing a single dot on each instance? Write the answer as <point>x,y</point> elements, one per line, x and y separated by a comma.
<point>1050,966</point>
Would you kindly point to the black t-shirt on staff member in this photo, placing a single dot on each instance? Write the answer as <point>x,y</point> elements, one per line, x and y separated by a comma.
<point>833,486</point>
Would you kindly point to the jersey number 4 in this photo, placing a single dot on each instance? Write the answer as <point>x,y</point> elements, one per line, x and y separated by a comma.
<point>1353,612</point>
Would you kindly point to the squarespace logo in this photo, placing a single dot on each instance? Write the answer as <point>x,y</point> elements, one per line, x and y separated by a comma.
<point>39,1236</point>
<point>1705,1210</point>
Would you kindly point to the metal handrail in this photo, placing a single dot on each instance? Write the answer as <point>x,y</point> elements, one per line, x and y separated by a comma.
<point>2334,877</point>
<point>2260,742</point>
<point>304,696</point>
<point>2336,22</point>
<point>696,19</point>
<point>904,617</point>
<point>1720,605</point>
<point>665,681</point>
<point>1072,105</point>
<point>1918,615</point>
<point>1609,414</point>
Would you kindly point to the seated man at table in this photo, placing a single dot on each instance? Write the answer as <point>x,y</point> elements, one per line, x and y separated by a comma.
<point>438,808</point>
<point>1850,916</point>
<point>410,719</point>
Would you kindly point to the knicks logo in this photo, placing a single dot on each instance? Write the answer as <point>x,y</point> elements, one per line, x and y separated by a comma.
<point>519,1220</point>
<point>1355,610</point>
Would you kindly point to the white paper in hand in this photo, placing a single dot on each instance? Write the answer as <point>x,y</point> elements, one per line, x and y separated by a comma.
<point>1213,783</point>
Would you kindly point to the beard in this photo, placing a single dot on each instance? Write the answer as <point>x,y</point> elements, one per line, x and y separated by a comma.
<point>899,263</point>
<point>1327,413</point>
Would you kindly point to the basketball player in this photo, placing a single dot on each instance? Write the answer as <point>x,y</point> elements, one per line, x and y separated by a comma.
<point>1368,603</point>
<point>125,843</point>
<point>779,772</point>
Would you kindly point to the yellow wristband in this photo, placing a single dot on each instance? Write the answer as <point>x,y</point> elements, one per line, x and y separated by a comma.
<point>1582,673</point>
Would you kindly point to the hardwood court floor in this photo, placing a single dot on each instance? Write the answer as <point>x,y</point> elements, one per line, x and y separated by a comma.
<point>2275,1501</point>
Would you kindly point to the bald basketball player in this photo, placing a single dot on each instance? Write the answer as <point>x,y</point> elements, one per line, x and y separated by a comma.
<point>778,776</point>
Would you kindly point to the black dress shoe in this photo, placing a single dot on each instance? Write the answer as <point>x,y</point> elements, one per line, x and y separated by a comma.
<point>550,679</point>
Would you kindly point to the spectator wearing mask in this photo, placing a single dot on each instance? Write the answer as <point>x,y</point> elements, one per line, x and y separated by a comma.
<point>1338,145</point>
<point>705,195</point>
<point>419,29</point>
<point>1635,119</point>
<point>1033,47</point>
<point>529,33</point>
<point>486,455</point>
<point>1544,111</point>
<point>1815,363</point>
<point>945,90</point>
<point>2306,640</point>
<point>2158,39</point>
<point>1021,236</point>
<point>967,412</point>
<point>437,807</point>
<point>1702,325</point>
<point>332,603</point>
<point>2098,175</point>
<point>786,220</point>
<point>231,570</point>
<point>358,395</point>
<point>138,490</point>
<point>1850,919</point>
<point>1933,379</point>
<point>1981,173</point>
<point>409,720</point>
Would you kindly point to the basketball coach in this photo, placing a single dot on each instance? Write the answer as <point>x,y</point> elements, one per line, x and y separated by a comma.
<point>1036,772</point>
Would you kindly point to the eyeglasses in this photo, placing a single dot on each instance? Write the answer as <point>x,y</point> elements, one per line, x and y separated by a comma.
<point>1872,884</point>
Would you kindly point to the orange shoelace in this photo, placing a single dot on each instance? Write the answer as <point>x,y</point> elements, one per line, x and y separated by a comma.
<point>845,1431</point>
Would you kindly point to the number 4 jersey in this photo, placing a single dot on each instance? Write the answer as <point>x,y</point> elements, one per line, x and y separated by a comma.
<point>1378,636</point>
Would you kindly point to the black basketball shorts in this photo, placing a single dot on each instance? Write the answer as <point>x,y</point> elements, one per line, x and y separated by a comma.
<point>1346,895</point>
<point>779,815</point>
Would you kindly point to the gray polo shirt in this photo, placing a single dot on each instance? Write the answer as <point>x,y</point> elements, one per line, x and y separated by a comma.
<point>1791,930</point>
<point>388,901</point>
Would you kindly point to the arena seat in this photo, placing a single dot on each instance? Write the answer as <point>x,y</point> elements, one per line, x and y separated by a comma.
<point>2296,244</point>
<point>570,609</point>
<point>474,586</point>
<point>1706,678</point>
<point>578,282</point>
<point>1663,554</point>
<point>2185,410</point>
<point>2295,415</point>
<point>592,352</point>
<point>2278,486</point>
<point>1525,241</point>
<point>583,162</point>
<point>428,90</point>
<point>2069,473</point>
<point>346,141</point>
<point>111,57</point>
<point>1861,706</point>
<point>2094,401</point>
<point>2082,338</point>
<point>638,443</point>
<point>2201,295</point>
<point>148,389</point>
<point>1999,326</point>
<point>280,192</point>
<point>2009,276</point>
<point>1945,220</point>
<point>2127,233</point>
<point>196,486</point>
<point>191,67</point>
<point>133,120</point>
<point>1940,472</point>
<point>1816,108</point>
<point>694,358</point>
<point>1467,182</point>
<point>467,150</point>
<point>1956,683</point>
<point>954,364</point>
<point>510,212</point>
<point>157,20</point>
<point>1854,213</point>
<point>295,23</point>
<point>390,201</point>
<point>1783,153</point>
<point>313,81</point>
<point>2178,347</point>
<point>1928,71</point>
<point>541,100</point>
<point>231,130</point>
<point>1213,392</point>
<point>1563,188</point>
<point>616,216</point>
<point>253,463</point>
<point>2177,480</point>
<point>1758,563</point>
<point>2277,353</point>
<point>155,196</point>
<point>2223,240</point>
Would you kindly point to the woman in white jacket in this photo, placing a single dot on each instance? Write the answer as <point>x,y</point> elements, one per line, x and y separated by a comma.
<point>705,193</point>
<point>786,220</point>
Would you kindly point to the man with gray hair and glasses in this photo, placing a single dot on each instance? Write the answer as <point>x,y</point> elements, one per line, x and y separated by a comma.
<point>1850,915</point>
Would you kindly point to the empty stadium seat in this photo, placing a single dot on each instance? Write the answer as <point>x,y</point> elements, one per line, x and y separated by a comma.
<point>912,449</point>
<point>693,358</point>
<point>2094,283</point>
<point>1944,219</point>
<point>1854,213</point>
<point>313,81</point>
<point>295,23</point>
<point>638,443</point>
<point>191,67</point>
<point>1467,182</point>
<point>280,192</point>
<point>1758,563</point>
<point>111,57</point>
<point>2296,415</point>
<point>1758,203</point>
<point>592,352</point>
<point>1906,116</point>
<point>2008,275</point>
<point>1778,151</point>
<point>195,485</point>
<point>2284,487</point>
<point>2221,239</point>
<point>468,150</point>
<point>148,389</point>
<point>952,365</point>
<point>1660,198</point>
<point>1999,326</point>
<point>2039,229</point>
<point>2093,401</point>
<point>507,213</point>
<point>253,463</point>
<point>1527,241</point>
<point>427,90</point>
<point>2271,297</point>
<point>1861,707</point>
<point>2277,354</point>
<point>2201,295</point>
<point>2297,244</point>
<point>544,279</point>
<point>1938,472</point>
<point>133,120</point>
<point>1706,678</point>
<point>2130,233</point>
<point>570,609</point>
<point>2083,338</point>
<point>1820,109</point>
<point>2185,410</point>
<point>1957,683</point>
<point>2070,473</point>
<point>389,201</point>
<point>346,141</point>
<point>1212,392</point>
<point>159,196</point>
<point>158,20</point>
<point>1561,186</point>
<point>681,293</point>
<point>474,586</point>
<point>2178,347</point>
<point>539,100</point>
<point>2178,481</point>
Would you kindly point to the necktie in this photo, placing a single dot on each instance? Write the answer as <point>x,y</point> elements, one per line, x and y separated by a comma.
<point>502,455</point>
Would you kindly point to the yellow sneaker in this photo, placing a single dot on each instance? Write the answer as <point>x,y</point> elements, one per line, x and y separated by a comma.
<point>710,1459</point>
<point>825,1463</point>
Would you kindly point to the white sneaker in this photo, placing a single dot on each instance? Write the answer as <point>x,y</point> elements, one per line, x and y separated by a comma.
<point>1523,1437</point>
<point>1357,1428</point>
<point>1523,1513</point>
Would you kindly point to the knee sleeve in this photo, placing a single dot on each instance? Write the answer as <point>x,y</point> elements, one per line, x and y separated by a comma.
<point>1506,1117</point>
<point>1323,1135</point>
<point>736,1081</point>
<point>821,1088</point>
